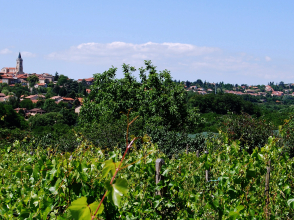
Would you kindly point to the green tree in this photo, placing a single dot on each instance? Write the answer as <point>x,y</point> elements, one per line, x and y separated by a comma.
<point>47,119</point>
<point>10,119</point>
<point>32,79</point>
<point>69,116</point>
<point>40,104</point>
<point>56,89</point>
<point>155,97</point>
<point>26,103</point>
<point>50,106</point>
<point>56,77</point>
<point>62,80</point>
<point>5,91</point>
<point>62,92</point>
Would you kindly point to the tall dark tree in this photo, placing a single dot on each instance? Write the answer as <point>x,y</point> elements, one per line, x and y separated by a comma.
<point>56,77</point>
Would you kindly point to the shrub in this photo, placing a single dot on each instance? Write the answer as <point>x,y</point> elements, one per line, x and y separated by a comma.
<point>251,132</point>
<point>287,134</point>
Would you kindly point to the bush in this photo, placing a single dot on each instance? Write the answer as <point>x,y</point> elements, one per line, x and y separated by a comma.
<point>249,131</point>
<point>287,133</point>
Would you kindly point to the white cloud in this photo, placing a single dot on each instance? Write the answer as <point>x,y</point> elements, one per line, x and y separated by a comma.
<point>185,61</point>
<point>5,51</point>
<point>119,52</point>
<point>27,54</point>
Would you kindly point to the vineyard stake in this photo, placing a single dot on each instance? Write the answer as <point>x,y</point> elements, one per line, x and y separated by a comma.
<point>206,171</point>
<point>158,177</point>
<point>266,191</point>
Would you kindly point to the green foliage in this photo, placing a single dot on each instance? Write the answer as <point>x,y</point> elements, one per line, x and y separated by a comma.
<point>50,106</point>
<point>223,103</point>
<point>26,103</point>
<point>5,91</point>
<point>156,98</point>
<point>46,119</point>
<point>61,80</point>
<point>10,119</point>
<point>287,133</point>
<point>45,185</point>
<point>56,77</point>
<point>249,131</point>
<point>79,209</point>
<point>32,79</point>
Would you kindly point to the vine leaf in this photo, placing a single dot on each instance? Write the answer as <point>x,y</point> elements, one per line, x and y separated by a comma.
<point>117,190</point>
<point>290,203</point>
<point>109,166</point>
<point>79,209</point>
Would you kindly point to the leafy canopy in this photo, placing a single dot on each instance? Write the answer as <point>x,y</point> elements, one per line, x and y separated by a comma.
<point>155,97</point>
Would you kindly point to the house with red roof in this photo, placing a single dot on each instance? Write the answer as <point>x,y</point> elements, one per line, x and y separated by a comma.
<point>277,93</point>
<point>89,81</point>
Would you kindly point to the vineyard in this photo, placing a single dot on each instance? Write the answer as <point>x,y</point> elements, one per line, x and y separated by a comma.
<point>43,184</point>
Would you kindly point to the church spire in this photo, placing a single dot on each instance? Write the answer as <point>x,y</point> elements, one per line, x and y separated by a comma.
<point>19,65</point>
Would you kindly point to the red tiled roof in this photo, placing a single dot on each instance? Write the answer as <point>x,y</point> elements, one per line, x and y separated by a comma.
<point>67,99</point>
<point>80,100</point>
<point>37,110</point>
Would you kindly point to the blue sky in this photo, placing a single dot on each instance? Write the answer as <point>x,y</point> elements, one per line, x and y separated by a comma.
<point>232,41</point>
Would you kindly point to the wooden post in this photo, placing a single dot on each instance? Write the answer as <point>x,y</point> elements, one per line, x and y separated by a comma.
<point>187,148</point>
<point>197,153</point>
<point>206,171</point>
<point>266,191</point>
<point>158,176</point>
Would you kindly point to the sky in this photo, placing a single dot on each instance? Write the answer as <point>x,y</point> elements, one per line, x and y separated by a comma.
<point>236,42</point>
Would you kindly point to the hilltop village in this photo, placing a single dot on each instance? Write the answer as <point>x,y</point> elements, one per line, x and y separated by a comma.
<point>29,91</point>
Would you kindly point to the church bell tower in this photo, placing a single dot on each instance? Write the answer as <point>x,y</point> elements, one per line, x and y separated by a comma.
<point>19,66</point>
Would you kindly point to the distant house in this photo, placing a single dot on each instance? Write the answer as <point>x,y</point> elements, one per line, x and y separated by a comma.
<point>67,100</point>
<point>57,99</point>
<point>268,88</point>
<point>35,111</point>
<point>35,97</point>
<point>277,93</point>
<point>2,95</point>
<point>5,98</point>
<point>45,78</point>
<point>250,90</point>
<point>41,85</point>
<point>9,80</point>
<point>10,70</point>
<point>89,81</point>
<point>202,92</point>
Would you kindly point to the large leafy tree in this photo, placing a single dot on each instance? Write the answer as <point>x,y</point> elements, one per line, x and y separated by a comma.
<point>156,98</point>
